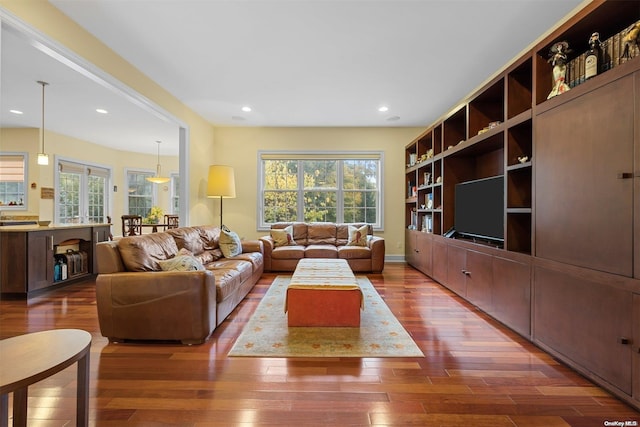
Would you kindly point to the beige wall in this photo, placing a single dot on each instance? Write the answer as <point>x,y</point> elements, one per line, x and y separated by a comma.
<point>238,147</point>
<point>27,140</point>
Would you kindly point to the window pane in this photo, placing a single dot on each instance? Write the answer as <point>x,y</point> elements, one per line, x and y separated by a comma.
<point>69,198</point>
<point>96,193</point>
<point>280,206</point>
<point>320,206</point>
<point>140,193</point>
<point>13,179</point>
<point>360,175</point>
<point>280,174</point>
<point>320,174</point>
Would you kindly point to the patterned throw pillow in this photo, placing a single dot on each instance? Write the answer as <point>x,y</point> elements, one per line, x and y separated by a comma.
<point>357,236</point>
<point>283,237</point>
<point>229,243</point>
<point>181,262</point>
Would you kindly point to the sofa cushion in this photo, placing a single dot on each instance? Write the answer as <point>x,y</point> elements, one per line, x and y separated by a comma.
<point>209,256</point>
<point>283,237</point>
<point>142,253</point>
<point>188,238</point>
<point>227,282</point>
<point>321,251</point>
<point>230,243</point>
<point>354,252</point>
<point>244,268</point>
<point>342,232</point>
<point>181,263</point>
<point>255,258</point>
<point>288,252</point>
<point>357,236</point>
<point>321,233</point>
<point>210,236</point>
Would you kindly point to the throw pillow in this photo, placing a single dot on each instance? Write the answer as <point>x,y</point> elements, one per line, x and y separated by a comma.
<point>229,243</point>
<point>357,236</point>
<point>181,263</point>
<point>283,237</point>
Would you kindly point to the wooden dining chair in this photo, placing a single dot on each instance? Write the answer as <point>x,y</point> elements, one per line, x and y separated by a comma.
<point>131,225</point>
<point>171,221</point>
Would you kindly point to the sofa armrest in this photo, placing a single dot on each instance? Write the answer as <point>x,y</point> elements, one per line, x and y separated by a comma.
<point>376,244</point>
<point>157,305</point>
<point>108,257</point>
<point>268,244</point>
<point>252,246</point>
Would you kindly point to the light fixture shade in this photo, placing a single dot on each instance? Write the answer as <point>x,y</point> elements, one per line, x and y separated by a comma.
<point>43,159</point>
<point>221,182</point>
<point>158,178</point>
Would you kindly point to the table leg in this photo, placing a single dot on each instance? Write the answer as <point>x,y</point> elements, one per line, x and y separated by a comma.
<point>20,407</point>
<point>82,410</point>
<point>4,410</point>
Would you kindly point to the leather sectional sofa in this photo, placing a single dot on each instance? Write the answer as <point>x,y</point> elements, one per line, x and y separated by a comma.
<point>353,242</point>
<point>138,300</point>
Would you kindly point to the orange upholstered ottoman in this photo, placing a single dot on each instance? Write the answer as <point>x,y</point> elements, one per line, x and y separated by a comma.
<point>323,292</point>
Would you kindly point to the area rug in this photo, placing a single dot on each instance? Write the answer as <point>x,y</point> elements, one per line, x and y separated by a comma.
<point>267,335</point>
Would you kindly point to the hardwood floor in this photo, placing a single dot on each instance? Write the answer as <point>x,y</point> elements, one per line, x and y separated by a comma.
<point>475,373</point>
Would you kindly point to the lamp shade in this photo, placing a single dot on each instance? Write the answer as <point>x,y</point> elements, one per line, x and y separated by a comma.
<point>221,182</point>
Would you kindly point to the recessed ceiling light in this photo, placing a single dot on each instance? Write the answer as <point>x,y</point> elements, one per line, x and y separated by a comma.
<point>16,111</point>
<point>383,108</point>
<point>101,111</point>
<point>246,109</point>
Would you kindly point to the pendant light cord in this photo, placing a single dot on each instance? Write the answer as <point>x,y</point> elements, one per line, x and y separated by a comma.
<point>43,85</point>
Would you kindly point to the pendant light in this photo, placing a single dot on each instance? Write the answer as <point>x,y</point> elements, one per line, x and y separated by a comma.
<point>158,178</point>
<point>43,157</point>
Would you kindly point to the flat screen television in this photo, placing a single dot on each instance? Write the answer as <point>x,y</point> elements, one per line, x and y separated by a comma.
<point>479,208</point>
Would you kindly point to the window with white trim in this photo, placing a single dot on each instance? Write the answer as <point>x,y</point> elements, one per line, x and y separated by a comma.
<point>13,181</point>
<point>175,193</point>
<point>82,195</point>
<point>141,193</point>
<point>334,187</point>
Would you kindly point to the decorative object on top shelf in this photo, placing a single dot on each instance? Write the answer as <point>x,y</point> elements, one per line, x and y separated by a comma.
<point>558,59</point>
<point>489,127</point>
<point>154,216</point>
<point>523,159</point>
<point>593,58</point>
<point>412,159</point>
<point>631,40</point>
<point>438,180</point>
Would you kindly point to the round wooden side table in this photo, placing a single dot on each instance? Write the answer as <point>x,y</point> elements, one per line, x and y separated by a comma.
<point>27,359</point>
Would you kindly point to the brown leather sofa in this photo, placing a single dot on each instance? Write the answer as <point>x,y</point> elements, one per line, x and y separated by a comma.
<point>137,300</point>
<point>323,240</point>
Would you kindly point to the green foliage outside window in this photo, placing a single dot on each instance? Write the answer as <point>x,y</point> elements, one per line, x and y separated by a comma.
<point>321,190</point>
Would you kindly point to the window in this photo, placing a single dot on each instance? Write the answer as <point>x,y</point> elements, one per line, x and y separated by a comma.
<point>82,195</point>
<point>13,181</point>
<point>175,193</point>
<point>141,194</point>
<point>332,187</point>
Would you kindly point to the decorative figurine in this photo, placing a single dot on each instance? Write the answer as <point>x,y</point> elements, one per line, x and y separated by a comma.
<point>630,40</point>
<point>558,59</point>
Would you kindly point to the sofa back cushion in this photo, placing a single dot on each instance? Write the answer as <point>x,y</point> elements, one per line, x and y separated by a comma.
<point>299,231</point>
<point>321,233</point>
<point>188,238</point>
<point>342,232</point>
<point>210,236</point>
<point>142,253</point>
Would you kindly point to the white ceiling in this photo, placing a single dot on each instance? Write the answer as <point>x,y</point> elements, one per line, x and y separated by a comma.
<point>294,62</point>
